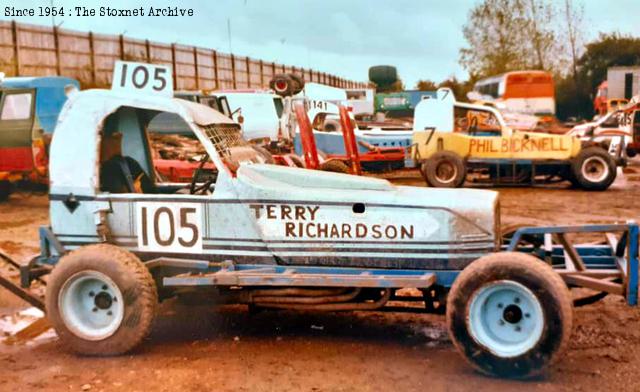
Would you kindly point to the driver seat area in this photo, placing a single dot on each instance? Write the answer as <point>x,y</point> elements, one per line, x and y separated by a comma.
<point>119,173</point>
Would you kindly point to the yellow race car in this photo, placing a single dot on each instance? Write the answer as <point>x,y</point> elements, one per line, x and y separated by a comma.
<point>453,139</point>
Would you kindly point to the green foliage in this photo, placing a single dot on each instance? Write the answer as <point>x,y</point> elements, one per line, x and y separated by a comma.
<point>459,89</point>
<point>609,50</point>
<point>574,97</point>
<point>507,35</point>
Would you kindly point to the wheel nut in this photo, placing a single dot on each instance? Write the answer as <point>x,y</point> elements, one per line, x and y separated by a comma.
<point>518,329</point>
<point>115,299</point>
<point>516,300</point>
<point>104,287</point>
<point>527,315</point>
<point>501,322</point>
<point>500,306</point>
<point>91,294</point>
<point>109,313</point>
<point>95,309</point>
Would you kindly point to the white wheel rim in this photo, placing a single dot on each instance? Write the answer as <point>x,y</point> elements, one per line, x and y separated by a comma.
<point>506,318</point>
<point>595,169</point>
<point>452,175</point>
<point>91,305</point>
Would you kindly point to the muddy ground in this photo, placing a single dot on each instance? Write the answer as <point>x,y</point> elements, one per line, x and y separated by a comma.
<point>230,349</point>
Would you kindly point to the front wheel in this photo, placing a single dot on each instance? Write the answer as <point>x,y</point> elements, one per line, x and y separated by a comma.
<point>593,169</point>
<point>101,300</point>
<point>444,170</point>
<point>509,314</point>
<point>335,166</point>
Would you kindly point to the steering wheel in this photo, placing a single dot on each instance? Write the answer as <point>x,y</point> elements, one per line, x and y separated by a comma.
<point>473,127</point>
<point>200,189</point>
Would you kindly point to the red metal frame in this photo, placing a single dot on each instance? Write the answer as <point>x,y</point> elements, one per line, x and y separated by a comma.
<point>310,151</point>
<point>350,143</point>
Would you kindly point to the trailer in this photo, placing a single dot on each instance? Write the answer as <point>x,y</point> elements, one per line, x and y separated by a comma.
<point>272,237</point>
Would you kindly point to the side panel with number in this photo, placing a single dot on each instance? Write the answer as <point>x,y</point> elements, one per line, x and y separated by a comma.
<point>169,227</point>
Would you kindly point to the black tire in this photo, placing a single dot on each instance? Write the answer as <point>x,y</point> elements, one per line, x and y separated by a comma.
<point>567,174</point>
<point>5,190</point>
<point>331,126</point>
<point>444,169</point>
<point>383,75</point>
<point>298,83</point>
<point>593,169</point>
<point>264,153</point>
<point>283,85</point>
<point>128,274</point>
<point>335,166</point>
<point>546,292</point>
<point>299,162</point>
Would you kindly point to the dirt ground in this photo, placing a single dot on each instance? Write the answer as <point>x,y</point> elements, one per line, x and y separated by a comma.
<point>194,349</point>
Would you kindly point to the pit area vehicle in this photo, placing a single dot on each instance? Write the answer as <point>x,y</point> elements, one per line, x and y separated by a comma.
<point>29,108</point>
<point>632,116</point>
<point>376,150</point>
<point>615,129</point>
<point>527,91</point>
<point>286,238</point>
<point>453,139</point>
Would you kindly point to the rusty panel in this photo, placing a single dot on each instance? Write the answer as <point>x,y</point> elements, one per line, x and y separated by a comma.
<point>135,50</point>
<point>35,37</point>
<point>6,36</point>
<point>255,77</point>
<point>160,53</point>
<point>73,42</point>
<point>38,57</point>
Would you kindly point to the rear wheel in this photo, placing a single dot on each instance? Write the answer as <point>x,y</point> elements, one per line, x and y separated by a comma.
<point>593,169</point>
<point>335,166</point>
<point>298,83</point>
<point>296,160</point>
<point>509,314</point>
<point>285,86</point>
<point>264,154</point>
<point>101,300</point>
<point>444,170</point>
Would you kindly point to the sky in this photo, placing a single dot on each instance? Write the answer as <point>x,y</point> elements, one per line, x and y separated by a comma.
<point>421,38</point>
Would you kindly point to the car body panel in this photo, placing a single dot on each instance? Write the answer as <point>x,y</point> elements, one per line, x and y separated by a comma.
<point>435,131</point>
<point>262,214</point>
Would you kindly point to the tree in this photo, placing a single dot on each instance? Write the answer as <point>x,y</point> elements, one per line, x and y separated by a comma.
<point>608,51</point>
<point>426,85</point>
<point>459,89</point>
<point>495,35</point>
<point>574,98</point>
<point>508,35</point>
<point>539,16</point>
<point>573,20</point>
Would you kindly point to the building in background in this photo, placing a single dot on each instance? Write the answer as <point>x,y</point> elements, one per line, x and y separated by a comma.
<point>623,82</point>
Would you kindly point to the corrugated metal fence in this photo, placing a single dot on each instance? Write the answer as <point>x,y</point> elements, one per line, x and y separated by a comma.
<point>31,50</point>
